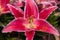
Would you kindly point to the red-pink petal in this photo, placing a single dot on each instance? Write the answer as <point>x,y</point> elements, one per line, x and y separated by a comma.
<point>43,5</point>
<point>3,5</point>
<point>5,10</point>
<point>53,3</point>
<point>29,35</point>
<point>46,4</point>
<point>31,9</point>
<point>45,13</point>
<point>17,12</point>
<point>18,3</point>
<point>16,25</point>
<point>44,26</point>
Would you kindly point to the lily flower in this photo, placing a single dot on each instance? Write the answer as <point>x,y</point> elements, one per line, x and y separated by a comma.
<point>45,3</point>
<point>30,20</point>
<point>4,8</point>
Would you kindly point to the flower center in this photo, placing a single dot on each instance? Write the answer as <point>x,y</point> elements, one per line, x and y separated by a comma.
<point>31,25</point>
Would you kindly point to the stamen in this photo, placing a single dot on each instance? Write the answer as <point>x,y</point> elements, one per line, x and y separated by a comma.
<point>30,24</point>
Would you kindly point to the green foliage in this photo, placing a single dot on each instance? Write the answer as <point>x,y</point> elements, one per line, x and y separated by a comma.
<point>53,19</point>
<point>6,18</point>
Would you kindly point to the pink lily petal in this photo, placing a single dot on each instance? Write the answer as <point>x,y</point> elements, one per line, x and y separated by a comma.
<point>16,25</point>
<point>17,12</point>
<point>5,10</point>
<point>29,35</point>
<point>31,9</point>
<point>39,1</point>
<point>3,6</point>
<point>44,26</point>
<point>53,3</point>
<point>18,3</point>
<point>46,4</point>
<point>43,5</point>
<point>45,13</point>
<point>4,2</point>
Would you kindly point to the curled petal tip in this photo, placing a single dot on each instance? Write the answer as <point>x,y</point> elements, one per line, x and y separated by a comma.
<point>5,31</point>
